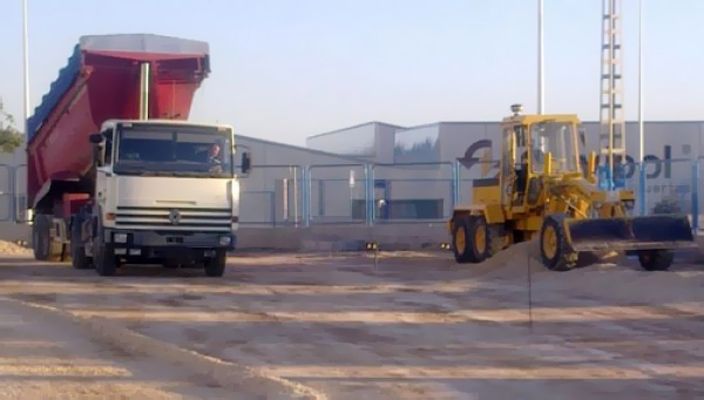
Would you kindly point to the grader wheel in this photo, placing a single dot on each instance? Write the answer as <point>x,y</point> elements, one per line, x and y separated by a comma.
<point>471,239</point>
<point>555,251</point>
<point>655,260</point>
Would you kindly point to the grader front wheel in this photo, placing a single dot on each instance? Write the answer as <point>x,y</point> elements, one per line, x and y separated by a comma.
<point>655,260</point>
<point>555,251</point>
<point>470,239</point>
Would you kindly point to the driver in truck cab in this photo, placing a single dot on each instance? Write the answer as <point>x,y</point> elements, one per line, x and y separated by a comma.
<point>214,158</point>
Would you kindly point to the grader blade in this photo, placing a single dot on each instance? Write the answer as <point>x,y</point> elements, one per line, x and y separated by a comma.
<point>630,233</point>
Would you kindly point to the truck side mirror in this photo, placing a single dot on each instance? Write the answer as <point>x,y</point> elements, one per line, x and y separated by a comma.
<point>246,163</point>
<point>98,142</point>
<point>96,138</point>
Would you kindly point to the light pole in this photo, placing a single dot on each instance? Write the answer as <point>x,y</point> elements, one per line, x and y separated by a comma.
<point>641,130</point>
<point>541,74</point>
<point>640,83</point>
<point>25,66</point>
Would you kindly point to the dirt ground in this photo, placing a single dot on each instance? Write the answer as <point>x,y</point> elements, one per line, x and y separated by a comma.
<point>411,326</point>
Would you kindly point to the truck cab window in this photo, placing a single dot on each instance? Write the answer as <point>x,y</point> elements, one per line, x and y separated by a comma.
<point>204,152</point>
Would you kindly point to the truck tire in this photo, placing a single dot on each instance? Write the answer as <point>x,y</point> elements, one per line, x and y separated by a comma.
<point>171,265</point>
<point>79,260</point>
<point>40,238</point>
<point>42,246</point>
<point>471,239</point>
<point>104,260</point>
<point>215,266</point>
<point>655,260</point>
<point>555,251</point>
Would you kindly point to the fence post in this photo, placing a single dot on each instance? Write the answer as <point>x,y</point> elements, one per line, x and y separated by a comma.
<point>456,184</point>
<point>12,178</point>
<point>641,189</point>
<point>369,193</point>
<point>272,208</point>
<point>695,195</point>
<point>306,196</point>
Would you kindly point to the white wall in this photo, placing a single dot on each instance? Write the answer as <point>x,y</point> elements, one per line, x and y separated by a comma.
<point>358,141</point>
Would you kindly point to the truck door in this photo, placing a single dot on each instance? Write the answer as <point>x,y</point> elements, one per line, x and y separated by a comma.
<point>508,176</point>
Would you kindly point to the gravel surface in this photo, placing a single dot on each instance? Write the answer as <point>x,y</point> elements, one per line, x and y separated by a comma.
<point>411,325</point>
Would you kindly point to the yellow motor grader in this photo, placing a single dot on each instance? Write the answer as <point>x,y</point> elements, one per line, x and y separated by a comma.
<point>542,189</point>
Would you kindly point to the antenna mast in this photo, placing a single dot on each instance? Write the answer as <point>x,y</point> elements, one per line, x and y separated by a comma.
<point>612,138</point>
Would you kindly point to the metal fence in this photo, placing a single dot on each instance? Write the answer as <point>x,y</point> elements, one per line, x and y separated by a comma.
<point>375,194</point>
<point>299,196</point>
<point>272,196</point>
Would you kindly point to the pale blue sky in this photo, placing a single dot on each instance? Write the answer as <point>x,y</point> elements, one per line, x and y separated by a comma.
<point>283,70</point>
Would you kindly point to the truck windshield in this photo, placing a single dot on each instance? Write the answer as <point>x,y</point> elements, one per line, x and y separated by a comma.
<point>557,138</point>
<point>174,151</point>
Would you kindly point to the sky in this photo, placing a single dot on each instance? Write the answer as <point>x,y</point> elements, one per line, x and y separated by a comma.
<point>284,70</point>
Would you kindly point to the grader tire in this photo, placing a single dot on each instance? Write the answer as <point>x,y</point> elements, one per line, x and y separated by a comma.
<point>655,260</point>
<point>470,240</point>
<point>555,251</point>
<point>494,239</point>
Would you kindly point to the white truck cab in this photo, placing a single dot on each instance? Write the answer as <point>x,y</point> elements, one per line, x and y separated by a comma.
<point>165,192</point>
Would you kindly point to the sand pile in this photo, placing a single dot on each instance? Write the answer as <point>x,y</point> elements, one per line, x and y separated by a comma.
<point>10,248</point>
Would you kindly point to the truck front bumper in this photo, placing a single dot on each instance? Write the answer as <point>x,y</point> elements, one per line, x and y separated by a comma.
<point>151,244</point>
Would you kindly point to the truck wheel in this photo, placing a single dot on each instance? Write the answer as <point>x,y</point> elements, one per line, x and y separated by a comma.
<point>655,260</point>
<point>79,260</point>
<point>104,260</point>
<point>216,266</point>
<point>470,240</point>
<point>171,265</point>
<point>41,240</point>
<point>44,248</point>
<point>555,251</point>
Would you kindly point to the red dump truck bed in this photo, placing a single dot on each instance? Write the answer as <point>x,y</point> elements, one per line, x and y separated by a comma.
<point>101,82</point>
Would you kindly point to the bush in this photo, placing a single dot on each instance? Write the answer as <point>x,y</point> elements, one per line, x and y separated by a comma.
<point>10,138</point>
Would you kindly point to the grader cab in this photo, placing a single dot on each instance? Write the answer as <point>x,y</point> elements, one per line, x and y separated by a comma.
<point>547,188</point>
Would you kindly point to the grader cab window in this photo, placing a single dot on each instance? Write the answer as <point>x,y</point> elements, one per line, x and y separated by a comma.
<point>557,138</point>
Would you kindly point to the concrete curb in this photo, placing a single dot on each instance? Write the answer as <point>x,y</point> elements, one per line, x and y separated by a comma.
<point>227,374</point>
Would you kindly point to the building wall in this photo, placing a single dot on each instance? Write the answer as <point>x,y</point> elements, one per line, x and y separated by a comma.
<point>418,144</point>
<point>357,141</point>
<point>372,141</point>
<point>385,138</point>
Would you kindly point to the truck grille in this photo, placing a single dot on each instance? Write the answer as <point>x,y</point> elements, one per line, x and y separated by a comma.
<point>174,219</point>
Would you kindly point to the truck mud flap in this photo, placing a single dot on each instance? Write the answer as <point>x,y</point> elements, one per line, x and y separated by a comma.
<point>630,233</point>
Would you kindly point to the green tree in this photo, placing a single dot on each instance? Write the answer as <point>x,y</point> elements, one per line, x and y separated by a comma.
<point>10,137</point>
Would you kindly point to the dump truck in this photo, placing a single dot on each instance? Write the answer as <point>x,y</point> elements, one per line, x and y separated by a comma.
<point>115,173</point>
<point>545,189</point>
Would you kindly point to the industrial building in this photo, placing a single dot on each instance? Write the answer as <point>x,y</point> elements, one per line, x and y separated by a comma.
<point>413,169</point>
<point>418,172</point>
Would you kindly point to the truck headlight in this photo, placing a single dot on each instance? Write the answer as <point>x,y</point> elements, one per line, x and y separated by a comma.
<point>225,240</point>
<point>119,237</point>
